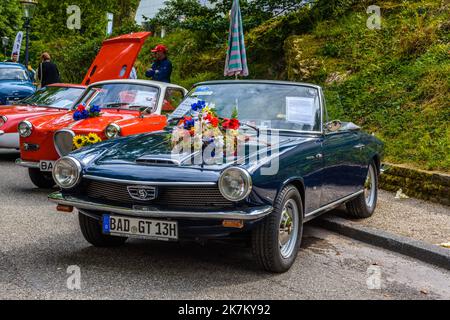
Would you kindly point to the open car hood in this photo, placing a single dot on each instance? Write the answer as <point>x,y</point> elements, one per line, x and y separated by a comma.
<point>116,58</point>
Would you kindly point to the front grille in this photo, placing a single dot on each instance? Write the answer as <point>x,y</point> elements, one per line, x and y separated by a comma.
<point>196,197</point>
<point>63,142</point>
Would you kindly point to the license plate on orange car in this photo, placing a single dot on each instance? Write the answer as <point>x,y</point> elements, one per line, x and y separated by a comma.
<point>46,166</point>
<point>139,228</point>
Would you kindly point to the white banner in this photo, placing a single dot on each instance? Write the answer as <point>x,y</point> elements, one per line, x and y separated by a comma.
<point>17,45</point>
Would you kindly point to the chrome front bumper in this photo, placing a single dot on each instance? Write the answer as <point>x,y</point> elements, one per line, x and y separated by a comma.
<point>151,212</point>
<point>9,140</point>
<point>27,164</point>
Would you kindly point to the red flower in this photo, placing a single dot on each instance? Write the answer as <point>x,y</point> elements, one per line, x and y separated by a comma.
<point>231,124</point>
<point>81,108</point>
<point>214,122</point>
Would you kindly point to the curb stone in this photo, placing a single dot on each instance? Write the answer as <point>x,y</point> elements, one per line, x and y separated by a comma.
<point>416,249</point>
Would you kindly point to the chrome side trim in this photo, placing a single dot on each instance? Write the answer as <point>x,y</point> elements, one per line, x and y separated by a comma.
<point>330,206</point>
<point>250,214</point>
<point>149,183</point>
<point>27,164</point>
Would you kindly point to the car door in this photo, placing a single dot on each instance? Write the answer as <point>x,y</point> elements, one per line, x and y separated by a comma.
<point>342,169</point>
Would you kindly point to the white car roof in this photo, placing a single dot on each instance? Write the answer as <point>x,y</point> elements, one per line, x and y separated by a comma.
<point>161,85</point>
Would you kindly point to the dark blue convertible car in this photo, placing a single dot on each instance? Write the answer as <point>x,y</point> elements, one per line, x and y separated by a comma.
<point>287,164</point>
<point>15,82</point>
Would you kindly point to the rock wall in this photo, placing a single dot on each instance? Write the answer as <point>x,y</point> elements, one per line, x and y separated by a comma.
<point>415,183</point>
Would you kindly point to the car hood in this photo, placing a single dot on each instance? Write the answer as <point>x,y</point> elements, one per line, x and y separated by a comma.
<point>154,149</point>
<point>97,124</point>
<point>25,111</point>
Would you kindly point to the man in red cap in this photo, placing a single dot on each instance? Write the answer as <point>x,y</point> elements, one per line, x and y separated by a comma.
<point>161,69</point>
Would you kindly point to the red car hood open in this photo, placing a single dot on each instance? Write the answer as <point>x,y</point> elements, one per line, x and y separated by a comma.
<point>116,58</point>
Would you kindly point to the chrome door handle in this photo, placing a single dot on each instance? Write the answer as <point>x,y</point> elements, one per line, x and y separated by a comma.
<point>359,146</point>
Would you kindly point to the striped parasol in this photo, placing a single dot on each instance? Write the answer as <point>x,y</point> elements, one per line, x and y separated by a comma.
<point>236,63</point>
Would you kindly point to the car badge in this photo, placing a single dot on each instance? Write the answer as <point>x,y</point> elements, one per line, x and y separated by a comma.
<point>142,193</point>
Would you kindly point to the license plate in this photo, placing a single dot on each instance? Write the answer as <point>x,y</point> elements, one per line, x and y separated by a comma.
<point>139,228</point>
<point>46,166</point>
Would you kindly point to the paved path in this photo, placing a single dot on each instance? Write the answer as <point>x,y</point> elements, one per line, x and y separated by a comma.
<point>37,245</point>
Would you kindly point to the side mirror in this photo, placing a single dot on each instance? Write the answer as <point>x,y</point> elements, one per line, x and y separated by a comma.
<point>333,126</point>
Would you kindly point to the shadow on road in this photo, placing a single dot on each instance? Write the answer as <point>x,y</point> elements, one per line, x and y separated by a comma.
<point>7,155</point>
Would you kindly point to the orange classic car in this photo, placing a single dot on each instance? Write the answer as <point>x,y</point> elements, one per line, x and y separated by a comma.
<point>106,110</point>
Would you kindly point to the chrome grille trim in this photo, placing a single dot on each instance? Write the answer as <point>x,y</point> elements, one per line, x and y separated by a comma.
<point>204,197</point>
<point>63,140</point>
<point>149,183</point>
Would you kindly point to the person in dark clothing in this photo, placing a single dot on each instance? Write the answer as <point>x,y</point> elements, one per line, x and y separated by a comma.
<point>48,72</point>
<point>161,69</point>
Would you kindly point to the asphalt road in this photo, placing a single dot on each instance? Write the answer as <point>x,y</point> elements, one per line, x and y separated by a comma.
<point>37,245</point>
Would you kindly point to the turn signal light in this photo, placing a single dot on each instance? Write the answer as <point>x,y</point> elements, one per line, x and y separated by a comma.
<point>239,224</point>
<point>63,208</point>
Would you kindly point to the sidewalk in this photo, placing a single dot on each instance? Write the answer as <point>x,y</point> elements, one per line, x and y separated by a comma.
<point>413,218</point>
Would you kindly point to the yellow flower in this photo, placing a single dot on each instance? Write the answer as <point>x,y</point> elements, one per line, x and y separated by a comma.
<point>93,138</point>
<point>79,142</point>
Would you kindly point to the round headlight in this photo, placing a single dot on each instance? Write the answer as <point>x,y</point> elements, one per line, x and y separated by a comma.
<point>67,172</point>
<point>112,131</point>
<point>25,129</point>
<point>235,184</point>
<point>3,120</point>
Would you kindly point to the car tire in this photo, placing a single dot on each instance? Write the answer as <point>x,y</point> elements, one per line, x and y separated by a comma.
<point>363,206</point>
<point>267,249</point>
<point>91,230</point>
<point>43,180</point>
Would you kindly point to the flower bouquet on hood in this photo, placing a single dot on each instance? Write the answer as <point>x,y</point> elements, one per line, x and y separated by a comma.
<point>203,129</point>
<point>84,113</point>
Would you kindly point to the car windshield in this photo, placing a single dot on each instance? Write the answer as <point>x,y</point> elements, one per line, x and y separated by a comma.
<point>275,106</point>
<point>13,74</point>
<point>122,96</point>
<point>54,97</point>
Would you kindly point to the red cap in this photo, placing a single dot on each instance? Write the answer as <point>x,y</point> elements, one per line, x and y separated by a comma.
<point>160,48</point>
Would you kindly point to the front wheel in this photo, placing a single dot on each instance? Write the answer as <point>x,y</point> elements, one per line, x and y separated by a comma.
<point>43,180</point>
<point>364,205</point>
<point>91,230</point>
<point>276,241</point>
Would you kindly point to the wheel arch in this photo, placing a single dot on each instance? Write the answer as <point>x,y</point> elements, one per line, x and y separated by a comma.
<point>298,183</point>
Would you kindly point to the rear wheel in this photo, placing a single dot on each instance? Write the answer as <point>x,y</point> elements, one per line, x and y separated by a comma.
<point>91,230</point>
<point>276,241</point>
<point>364,205</point>
<point>43,180</point>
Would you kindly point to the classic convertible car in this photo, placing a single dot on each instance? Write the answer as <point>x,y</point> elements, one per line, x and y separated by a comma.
<point>124,107</point>
<point>290,166</point>
<point>51,100</point>
<point>15,82</point>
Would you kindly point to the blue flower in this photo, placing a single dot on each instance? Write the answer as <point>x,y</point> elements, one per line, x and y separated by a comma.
<point>199,105</point>
<point>95,109</point>
<point>188,124</point>
<point>77,116</point>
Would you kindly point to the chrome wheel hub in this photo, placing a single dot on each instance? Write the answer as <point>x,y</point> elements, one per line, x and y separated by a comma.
<point>370,187</point>
<point>288,228</point>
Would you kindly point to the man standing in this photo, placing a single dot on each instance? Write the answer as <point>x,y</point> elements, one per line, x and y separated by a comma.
<point>48,71</point>
<point>161,69</point>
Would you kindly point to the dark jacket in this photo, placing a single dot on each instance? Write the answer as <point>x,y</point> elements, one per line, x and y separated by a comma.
<point>48,73</point>
<point>161,70</point>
